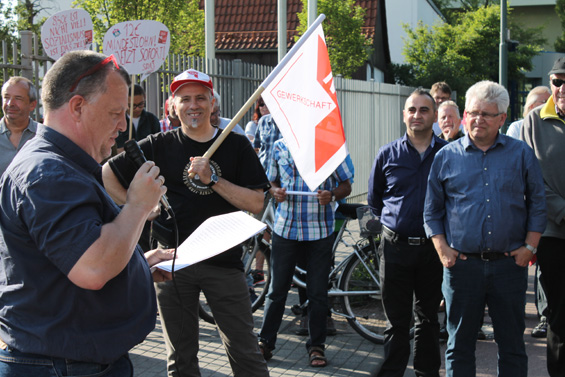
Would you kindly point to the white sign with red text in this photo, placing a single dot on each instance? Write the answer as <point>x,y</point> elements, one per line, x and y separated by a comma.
<point>140,46</point>
<point>65,31</point>
<point>303,102</point>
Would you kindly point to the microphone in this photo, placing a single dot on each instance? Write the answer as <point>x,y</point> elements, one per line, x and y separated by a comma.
<point>136,155</point>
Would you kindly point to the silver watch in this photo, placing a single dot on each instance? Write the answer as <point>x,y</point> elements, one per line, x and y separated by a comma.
<point>531,248</point>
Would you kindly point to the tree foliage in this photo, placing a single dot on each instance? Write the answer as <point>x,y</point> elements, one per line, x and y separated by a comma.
<point>465,52</point>
<point>560,10</point>
<point>348,47</point>
<point>183,18</point>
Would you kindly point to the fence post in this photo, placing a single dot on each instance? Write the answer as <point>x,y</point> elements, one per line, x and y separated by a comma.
<point>152,98</point>
<point>238,99</point>
<point>27,53</point>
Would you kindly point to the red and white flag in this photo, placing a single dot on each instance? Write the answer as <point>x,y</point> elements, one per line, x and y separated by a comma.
<point>301,97</point>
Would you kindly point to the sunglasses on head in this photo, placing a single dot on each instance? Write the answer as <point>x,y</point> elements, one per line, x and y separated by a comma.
<point>94,69</point>
<point>557,82</point>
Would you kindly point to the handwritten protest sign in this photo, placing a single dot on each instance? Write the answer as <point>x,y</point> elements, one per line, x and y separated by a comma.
<point>140,46</point>
<point>66,31</point>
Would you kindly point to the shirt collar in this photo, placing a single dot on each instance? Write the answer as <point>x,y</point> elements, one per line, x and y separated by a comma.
<point>467,143</point>
<point>31,126</point>
<point>72,151</point>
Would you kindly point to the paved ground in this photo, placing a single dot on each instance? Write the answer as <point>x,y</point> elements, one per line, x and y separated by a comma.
<point>349,353</point>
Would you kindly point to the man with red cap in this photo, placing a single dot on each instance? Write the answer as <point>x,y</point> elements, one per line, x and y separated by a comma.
<point>231,179</point>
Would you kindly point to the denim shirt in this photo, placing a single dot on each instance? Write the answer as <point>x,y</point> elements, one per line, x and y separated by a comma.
<point>485,201</point>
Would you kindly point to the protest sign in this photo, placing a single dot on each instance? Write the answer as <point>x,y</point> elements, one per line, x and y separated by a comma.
<point>140,46</point>
<point>66,31</point>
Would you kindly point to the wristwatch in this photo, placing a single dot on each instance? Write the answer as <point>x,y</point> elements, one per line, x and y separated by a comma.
<point>333,197</point>
<point>531,248</point>
<point>213,180</point>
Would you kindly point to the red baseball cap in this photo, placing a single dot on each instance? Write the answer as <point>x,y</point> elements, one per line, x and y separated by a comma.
<point>191,76</point>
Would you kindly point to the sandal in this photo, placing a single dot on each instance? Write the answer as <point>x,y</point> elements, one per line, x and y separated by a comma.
<point>317,354</point>
<point>265,351</point>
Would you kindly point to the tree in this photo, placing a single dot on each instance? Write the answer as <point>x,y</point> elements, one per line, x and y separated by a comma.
<point>560,10</point>
<point>348,47</point>
<point>183,18</point>
<point>465,52</point>
<point>27,11</point>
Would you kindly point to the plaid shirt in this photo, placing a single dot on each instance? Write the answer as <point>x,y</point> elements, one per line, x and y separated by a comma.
<point>265,136</point>
<point>301,217</point>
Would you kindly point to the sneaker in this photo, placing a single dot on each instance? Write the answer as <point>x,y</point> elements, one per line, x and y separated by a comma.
<point>330,327</point>
<point>258,277</point>
<point>540,331</point>
<point>303,329</point>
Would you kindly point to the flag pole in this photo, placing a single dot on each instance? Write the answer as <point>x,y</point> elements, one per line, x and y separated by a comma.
<point>261,88</point>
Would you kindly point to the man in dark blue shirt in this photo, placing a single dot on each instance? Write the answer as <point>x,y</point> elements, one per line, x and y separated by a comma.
<point>75,289</point>
<point>409,266</point>
<point>485,212</point>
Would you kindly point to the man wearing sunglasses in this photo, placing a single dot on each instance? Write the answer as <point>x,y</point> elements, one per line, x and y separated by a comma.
<point>76,290</point>
<point>144,122</point>
<point>544,131</point>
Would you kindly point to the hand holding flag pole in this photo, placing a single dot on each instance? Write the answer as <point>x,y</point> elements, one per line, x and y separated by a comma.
<point>255,96</point>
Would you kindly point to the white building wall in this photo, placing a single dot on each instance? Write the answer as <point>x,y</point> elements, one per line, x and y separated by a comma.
<point>399,12</point>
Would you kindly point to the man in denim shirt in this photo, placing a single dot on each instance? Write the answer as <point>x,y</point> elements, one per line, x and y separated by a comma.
<point>485,212</point>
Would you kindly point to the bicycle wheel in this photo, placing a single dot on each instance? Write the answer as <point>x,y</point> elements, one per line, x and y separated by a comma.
<point>364,311</point>
<point>262,289</point>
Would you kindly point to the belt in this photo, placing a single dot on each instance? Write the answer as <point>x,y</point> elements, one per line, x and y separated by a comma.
<point>488,256</point>
<point>412,241</point>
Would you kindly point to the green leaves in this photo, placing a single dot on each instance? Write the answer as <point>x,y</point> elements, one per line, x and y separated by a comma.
<point>183,18</point>
<point>464,51</point>
<point>348,47</point>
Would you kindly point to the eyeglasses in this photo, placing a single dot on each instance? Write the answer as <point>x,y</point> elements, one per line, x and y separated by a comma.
<point>262,104</point>
<point>485,116</point>
<point>557,82</point>
<point>95,69</point>
<point>140,105</point>
<point>216,113</point>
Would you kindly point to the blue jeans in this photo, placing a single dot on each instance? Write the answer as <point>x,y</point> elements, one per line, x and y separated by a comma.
<point>14,363</point>
<point>467,286</point>
<point>284,255</point>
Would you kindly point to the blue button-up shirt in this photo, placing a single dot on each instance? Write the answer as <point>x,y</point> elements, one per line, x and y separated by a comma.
<point>301,217</point>
<point>485,201</point>
<point>397,186</point>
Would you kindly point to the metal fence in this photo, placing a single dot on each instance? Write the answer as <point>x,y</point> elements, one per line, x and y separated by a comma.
<point>371,112</point>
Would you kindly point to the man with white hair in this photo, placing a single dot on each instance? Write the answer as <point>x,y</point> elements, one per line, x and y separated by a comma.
<point>449,121</point>
<point>485,212</point>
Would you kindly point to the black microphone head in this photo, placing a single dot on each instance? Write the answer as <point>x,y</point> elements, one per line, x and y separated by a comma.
<point>134,152</point>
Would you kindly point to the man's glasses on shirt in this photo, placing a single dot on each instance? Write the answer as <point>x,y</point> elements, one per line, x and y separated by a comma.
<point>95,69</point>
<point>140,105</point>
<point>557,82</point>
<point>484,115</point>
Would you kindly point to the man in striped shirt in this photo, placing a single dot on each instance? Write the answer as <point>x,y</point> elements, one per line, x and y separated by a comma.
<point>303,227</point>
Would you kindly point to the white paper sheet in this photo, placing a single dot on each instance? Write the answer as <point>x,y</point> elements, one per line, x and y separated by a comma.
<point>213,236</point>
<point>307,193</point>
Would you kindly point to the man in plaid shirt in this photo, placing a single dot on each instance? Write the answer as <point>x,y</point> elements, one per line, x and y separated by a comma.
<point>303,227</point>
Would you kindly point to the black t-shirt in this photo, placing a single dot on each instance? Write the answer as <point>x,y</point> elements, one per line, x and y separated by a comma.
<point>193,202</point>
